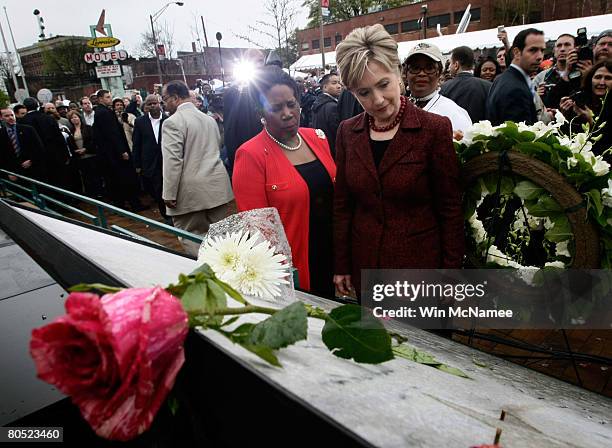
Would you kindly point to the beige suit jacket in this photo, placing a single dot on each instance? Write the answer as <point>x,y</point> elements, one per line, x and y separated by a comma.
<point>193,173</point>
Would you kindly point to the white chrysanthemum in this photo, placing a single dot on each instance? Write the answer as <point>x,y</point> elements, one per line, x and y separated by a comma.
<point>606,194</point>
<point>223,254</point>
<point>562,249</point>
<point>260,271</point>
<point>247,263</point>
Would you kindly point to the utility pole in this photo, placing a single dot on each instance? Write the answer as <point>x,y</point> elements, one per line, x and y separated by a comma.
<point>9,60</point>
<point>219,36</point>
<point>23,78</point>
<point>322,41</point>
<point>161,81</point>
<point>205,49</point>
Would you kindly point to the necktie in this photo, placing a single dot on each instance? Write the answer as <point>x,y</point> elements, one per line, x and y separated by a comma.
<point>13,136</point>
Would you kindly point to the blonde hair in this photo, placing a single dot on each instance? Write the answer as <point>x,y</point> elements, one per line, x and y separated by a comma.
<point>364,45</point>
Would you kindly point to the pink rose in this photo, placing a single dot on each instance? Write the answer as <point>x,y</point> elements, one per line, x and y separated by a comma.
<point>117,356</point>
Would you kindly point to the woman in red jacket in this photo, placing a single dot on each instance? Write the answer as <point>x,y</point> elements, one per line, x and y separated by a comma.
<point>397,201</point>
<point>290,168</point>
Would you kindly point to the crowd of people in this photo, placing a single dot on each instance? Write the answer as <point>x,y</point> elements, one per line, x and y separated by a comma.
<point>359,163</point>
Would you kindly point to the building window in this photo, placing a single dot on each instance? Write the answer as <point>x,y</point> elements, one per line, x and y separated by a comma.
<point>442,19</point>
<point>475,15</point>
<point>410,25</point>
<point>327,42</point>
<point>392,28</point>
<point>338,39</point>
<point>315,44</point>
<point>305,46</point>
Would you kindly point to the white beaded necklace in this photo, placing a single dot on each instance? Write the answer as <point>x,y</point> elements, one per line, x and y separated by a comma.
<point>282,145</point>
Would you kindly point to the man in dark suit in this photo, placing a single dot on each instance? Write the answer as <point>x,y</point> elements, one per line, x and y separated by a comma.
<point>20,147</point>
<point>325,109</point>
<point>146,150</point>
<point>114,155</point>
<point>55,150</point>
<point>512,94</point>
<point>465,89</point>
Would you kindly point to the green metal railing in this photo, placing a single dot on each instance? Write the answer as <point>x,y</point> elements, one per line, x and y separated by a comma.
<point>32,194</point>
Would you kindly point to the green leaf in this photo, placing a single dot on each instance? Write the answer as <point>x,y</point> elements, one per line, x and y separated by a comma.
<point>204,269</point>
<point>527,190</point>
<point>562,230</point>
<point>194,298</point>
<point>351,332</point>
<point>527,136</point>
<point>86,287</point>
<point>595,197</point>
<point>231,291</point>
<point>265,353</point>
<point>230,321</point>
<point>412,354</point>
<point>452,370</point>
<point>283,328</point>
<point>545,206</point>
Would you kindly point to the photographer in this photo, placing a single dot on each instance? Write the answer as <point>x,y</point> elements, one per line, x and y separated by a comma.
<point>587,106</point>
<point>555,83</point>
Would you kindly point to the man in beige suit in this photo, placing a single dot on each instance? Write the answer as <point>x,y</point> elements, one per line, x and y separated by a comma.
<point>196,188</point>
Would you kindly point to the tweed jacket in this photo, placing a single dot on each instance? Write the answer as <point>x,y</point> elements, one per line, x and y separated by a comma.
<point>406,214</point>
<point>193,173</point>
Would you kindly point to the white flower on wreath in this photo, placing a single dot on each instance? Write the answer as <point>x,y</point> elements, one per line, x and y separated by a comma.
<point>548,224</point>
<point>571,162</point>
<point>606,194</point>
<point>555,264</point>
<point>561,249</point>
<point>560,119</point>
<point>483,127</point>
<point>478,230</point>
<point>494,255</point>
<point>246,262</point>
<point>600,167</point>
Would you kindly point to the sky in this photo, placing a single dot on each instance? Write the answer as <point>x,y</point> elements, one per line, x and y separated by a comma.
<point>130,18</point>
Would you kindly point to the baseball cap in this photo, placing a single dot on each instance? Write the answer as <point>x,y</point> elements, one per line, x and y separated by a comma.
<point>606,33</point>
<point>428,50</point>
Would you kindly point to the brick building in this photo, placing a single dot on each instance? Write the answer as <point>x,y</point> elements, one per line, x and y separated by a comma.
<point>404,22</point>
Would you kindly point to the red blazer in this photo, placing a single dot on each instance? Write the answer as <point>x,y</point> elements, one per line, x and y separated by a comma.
<point>408,213</point>
<point>264,177</point>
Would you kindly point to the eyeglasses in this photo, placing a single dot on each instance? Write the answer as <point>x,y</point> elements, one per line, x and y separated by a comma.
<point>429,69</point>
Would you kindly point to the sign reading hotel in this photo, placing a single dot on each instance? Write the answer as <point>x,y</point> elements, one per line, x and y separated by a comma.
<point>108,71</point>
<point>103,42</point>
<point>106,56</point>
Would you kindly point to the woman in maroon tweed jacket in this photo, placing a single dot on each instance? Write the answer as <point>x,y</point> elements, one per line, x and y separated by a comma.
<point>397,202</point>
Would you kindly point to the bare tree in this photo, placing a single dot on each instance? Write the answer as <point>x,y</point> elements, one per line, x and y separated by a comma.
<point>164,34</point>
<point>275,32</point>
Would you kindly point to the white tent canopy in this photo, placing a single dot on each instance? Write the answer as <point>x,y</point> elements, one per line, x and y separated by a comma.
<point>480,39</point>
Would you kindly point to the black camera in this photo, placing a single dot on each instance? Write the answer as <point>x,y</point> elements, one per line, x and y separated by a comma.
<point>584,51</point>
<point>580,98</point>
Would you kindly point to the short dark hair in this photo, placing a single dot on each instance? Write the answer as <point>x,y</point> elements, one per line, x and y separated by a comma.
<point>465,56</point>
<point>117,100</point>
<point>521,38</point>
<point>19,107</point>
<point>30,103</point>
<point>178,88</point>
<point>327,79</point>
<point>100,93</point>
<point>271,76</point>
<point>567,35</point>
<point>478,68</point>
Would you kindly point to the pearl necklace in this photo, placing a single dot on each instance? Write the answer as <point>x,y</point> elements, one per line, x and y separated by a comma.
<point>282,145</point>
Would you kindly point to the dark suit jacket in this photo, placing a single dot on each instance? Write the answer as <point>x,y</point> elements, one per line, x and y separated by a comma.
<point>30,149</point>
<point>109,136</point>
<point>88,141</point>
<point>325,117</point>
<point>510,99</point>
<point>468,92</point>
<point>55,149</point>
<point>145,150</point>
<point>408,212</point>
